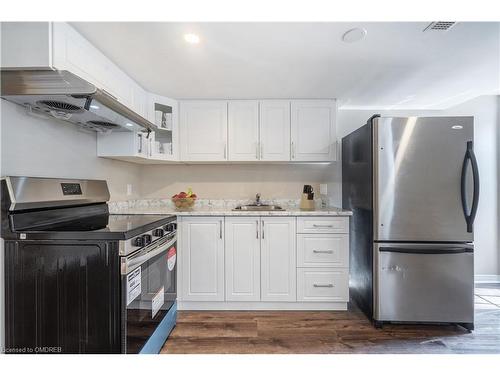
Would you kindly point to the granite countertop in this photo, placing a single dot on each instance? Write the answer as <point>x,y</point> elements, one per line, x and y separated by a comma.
<point>214,211</point>
<point>216,208</point>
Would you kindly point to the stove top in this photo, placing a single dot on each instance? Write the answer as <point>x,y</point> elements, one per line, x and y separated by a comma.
<point>106,223</point>
<point>105,227</point>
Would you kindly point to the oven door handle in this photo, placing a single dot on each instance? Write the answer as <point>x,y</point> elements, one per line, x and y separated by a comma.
<point>130,263</point>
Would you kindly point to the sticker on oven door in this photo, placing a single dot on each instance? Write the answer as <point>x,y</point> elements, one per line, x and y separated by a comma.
<point>171,258</point>
<point>133,285</point>
<point>157,302</point>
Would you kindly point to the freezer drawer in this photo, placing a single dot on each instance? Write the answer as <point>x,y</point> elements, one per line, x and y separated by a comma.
<point>424,283</point>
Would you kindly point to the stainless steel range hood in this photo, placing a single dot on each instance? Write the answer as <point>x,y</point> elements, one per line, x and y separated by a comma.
<point>65,96</point>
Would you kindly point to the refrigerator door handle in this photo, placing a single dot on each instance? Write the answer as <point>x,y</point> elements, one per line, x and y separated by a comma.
<point>433,250</point>
<point>469,156</point>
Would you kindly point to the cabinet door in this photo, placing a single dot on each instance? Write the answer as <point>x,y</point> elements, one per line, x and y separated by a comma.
<point>243,130</point>
<point>278,252</point>
<point>71,51</point>
<point>313,130</point>
<point>203,130</point>
<point>168,132</point>
<point>242,258</point>
<point>202,252</point>
<point>275,130</point>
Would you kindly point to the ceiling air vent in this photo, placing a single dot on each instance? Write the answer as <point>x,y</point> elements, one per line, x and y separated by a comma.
<point>440,26</point>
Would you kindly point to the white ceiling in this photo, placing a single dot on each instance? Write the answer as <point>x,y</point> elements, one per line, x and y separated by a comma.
<point>396,66</point>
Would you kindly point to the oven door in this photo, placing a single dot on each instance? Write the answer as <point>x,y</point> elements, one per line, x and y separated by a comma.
<point>149,291</point>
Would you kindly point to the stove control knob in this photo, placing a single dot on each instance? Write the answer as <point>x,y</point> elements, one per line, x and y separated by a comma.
<point>138,241</point>
<point>170,227</point>
<point>146,238</point>
<point>158,232</point>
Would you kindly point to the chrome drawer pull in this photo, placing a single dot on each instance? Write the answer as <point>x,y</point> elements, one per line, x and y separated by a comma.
<point>323,225</point>
<point>323,285</point>
<point>323,251</point>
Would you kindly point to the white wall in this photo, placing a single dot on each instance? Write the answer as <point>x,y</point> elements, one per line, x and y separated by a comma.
<point>486,112</point>
<point>233,181</point>
<point>48,148</point>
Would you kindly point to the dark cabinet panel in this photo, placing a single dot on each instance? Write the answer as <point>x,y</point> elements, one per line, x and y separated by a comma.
<point>62,296</point>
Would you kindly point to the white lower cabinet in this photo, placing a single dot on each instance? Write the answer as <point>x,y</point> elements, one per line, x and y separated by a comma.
<point>278,254</point>
<point>323,259</point>
<point>323,284</point>
<point>260,259</point>
<point>242,258</point>
<point>202,258</point>
<point>263,262</point>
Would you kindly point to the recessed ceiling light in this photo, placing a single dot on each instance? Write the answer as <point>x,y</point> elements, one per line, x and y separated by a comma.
<point>93,106</point>
<point>457,127</point>
<point>354,35</point>
<point>129,124</point>
<point>192,38</point>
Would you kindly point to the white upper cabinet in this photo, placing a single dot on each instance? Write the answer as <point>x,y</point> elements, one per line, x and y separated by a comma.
<point>242,258</point>
<point>313,130</point>
<point>163,112</point>
<point>26,45</point>
<point>243,130</point>
<point>57,45</point>
<point>203,126</point>
<point>275,130</point>
<point>278,259</point>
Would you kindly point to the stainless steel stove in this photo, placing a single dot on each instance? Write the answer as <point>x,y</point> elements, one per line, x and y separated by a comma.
<point>82,280</point>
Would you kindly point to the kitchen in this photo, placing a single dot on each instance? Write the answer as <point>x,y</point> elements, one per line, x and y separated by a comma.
<point>249,196</point>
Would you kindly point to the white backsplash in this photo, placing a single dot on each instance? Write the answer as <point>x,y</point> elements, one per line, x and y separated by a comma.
<point>117,206</point>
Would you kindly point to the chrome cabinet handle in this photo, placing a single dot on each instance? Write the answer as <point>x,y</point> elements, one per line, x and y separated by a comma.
<point>225,151</point>
<point>293,150</point>
<point>323,251</point>
<point>139,136</point>
<point>322,225</point>
<point>261,147</point>
<point>220,229</point>
<point>257,229</point>
<point>323,285</point>
<point>262,229</point>
<point>257,150</point>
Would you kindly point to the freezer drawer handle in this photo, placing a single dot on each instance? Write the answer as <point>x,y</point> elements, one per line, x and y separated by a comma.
<point>323,251</point>
<point>323,285</point>
<point>435,250</point>
<point>469,156</point>
<point>322,225</point>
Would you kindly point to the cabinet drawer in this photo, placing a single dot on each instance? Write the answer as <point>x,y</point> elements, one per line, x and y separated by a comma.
<point>323,250</point>
<point>323,284</point>
<point>322,225</point>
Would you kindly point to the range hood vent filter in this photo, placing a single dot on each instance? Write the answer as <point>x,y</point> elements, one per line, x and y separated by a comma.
<point>59,106</point>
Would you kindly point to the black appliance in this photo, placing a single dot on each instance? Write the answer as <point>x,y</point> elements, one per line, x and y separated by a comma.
<point>79,279</point>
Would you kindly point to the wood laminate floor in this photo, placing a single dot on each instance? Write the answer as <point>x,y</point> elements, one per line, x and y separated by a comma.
<point>267,332</point>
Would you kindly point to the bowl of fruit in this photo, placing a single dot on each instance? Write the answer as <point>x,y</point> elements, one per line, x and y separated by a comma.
<point>183,200</point>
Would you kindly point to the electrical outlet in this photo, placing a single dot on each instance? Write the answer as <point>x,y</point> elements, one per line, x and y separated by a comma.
<point>129,189</point>
<point>323,189</point>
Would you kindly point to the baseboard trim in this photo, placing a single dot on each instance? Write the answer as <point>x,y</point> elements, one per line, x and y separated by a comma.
<point>312,306</point>
<point>486,279</point>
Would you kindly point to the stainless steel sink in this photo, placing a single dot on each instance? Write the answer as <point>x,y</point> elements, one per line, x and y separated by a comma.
<point>260,207</point>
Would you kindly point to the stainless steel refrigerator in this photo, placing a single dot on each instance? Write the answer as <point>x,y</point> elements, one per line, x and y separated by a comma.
<point>413,186</point>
